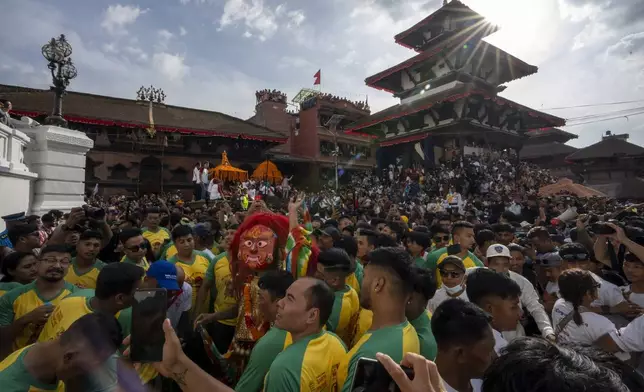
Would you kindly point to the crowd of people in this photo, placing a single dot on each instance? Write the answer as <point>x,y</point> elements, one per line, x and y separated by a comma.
<point>462,273</point>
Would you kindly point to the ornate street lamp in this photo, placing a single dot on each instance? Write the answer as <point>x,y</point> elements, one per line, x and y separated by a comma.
<point>57,52</point>
<point>151,95</point>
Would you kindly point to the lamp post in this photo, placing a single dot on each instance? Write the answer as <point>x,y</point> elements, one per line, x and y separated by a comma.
<point>332,125</point>
<point>57,52</point>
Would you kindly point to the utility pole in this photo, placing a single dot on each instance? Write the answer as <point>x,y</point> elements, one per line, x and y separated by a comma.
<point>332,126</point>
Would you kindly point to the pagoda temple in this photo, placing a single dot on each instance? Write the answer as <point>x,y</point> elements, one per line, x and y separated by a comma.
<point>449,102</point>
<point>128,159</point>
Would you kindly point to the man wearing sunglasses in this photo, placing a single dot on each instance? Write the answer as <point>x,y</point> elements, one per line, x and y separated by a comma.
<point>440,236</point>
<point>452,272</point>
<point>134,248</point>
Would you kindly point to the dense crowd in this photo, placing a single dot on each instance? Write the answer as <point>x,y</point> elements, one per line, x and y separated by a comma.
<point>463,273</point>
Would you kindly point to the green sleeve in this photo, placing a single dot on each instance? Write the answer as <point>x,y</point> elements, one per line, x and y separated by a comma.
<point>6,307</point>
<point>85,293</point>
<point>432,258</point>
<point>210,272</point>
<point>476,260</point>
<point>282,378</point>
<point>99,264</point>
<point>260,361</point>
<point>164,250</point>
<point>125,321</point>
<point>334,317</point>
<point>428,348</point>
<point>353,364</point>
<point>359,272</point>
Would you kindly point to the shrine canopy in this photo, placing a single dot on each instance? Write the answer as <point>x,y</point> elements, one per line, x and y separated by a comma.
<point>267,171</point>
<point>226,172</point>
<point>568,187</point>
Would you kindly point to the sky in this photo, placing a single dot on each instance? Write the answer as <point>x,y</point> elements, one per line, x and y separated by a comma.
<point>214,54</point>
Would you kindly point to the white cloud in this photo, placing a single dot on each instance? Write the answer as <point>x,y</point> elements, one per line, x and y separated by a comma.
<point>258,18</point>
<point>165,34</point>
<point>110,48</point>
<point>171,66</point>
<point>248,34</point>
<point>182,31</point>
<point>136,52</point>
<point>294,62</point>
<point>118,16</point>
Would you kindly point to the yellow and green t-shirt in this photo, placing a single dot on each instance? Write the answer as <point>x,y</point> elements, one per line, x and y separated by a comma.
<point>422,260</point>
<point>310,364</point>
<point>264,353</point>
<point>436,258</point>
<point>219,272</point>
<point>169,250</point>
<point>22,300</point>
<point>14,376</point>
<point>395,341</point>
<point>355,279</point>
<point>8,286</point>
<point>195,271</point>
<point>143,264</point>
<point>344,315</point>
<point>157,239</point>
<point>423,327</point>
<point>85,280</point>
<point>365,317</point>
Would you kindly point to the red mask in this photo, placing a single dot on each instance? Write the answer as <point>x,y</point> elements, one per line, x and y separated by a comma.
<point>257,247</point>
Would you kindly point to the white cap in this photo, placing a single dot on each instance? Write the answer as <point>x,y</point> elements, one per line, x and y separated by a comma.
<point>498,250</point>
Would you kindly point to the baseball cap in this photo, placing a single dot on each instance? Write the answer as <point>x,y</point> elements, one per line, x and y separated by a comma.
<point>550,259</point>
<point>332,232</point>
<point>202,230</point>
<point>165,274</point>
<point>498,250</point>
<point>453,260</point>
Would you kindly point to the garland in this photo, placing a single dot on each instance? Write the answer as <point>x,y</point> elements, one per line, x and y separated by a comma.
<point>255,332</point>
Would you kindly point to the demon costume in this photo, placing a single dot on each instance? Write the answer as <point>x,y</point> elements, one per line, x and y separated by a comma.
<point>263,242</point>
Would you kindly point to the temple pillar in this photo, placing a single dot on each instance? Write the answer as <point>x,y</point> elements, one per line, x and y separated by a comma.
<point>428,150</point>
<point>57,155</point>
<point>16,179</point>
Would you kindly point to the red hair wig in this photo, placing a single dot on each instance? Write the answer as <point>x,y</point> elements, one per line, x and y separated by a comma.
<point>278,223</point>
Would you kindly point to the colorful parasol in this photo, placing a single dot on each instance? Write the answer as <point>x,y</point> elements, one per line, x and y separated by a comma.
<point>567,186</point>
<point>267,171</point>
<point>226,172</point>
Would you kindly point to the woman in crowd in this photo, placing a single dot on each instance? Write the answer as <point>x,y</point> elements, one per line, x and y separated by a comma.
<point>18,268</point>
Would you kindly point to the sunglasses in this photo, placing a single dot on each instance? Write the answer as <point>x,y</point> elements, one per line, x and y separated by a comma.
<point>441,238</point>
<point>575,256</point>
<point>137,248</point>
<point>450,274</point>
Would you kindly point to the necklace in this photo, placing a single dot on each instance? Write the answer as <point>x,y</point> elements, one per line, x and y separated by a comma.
<point>255,331</point>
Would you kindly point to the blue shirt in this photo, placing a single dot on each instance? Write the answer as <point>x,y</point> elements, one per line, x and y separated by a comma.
<point>4,239</point>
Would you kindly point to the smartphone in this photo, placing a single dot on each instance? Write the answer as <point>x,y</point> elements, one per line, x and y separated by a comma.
<point>148,313</point>
<point>601,228</point>
<point>371,376</point>
<point>454,249</point>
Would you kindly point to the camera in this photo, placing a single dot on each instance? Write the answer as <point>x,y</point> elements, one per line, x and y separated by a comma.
<point>94,213</point>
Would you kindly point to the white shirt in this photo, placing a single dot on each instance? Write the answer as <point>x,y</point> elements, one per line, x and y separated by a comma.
<point>196,178</point>
<point>441,296</point>
<point>530,300</point>
<point>636,298</point>
<point>552,288</point>
<point>499,341</point>
<point>609,294</point>
<point>593,327</point>
<point>476,386</point>
<point>183,303</point>
<point>204,176</point>
<point>631,337</point>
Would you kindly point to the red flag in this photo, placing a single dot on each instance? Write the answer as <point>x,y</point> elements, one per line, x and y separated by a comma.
<point>318,77</point>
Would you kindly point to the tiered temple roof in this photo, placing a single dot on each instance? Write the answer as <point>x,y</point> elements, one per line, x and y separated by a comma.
<point>608,148</point>
<point>128,113</point>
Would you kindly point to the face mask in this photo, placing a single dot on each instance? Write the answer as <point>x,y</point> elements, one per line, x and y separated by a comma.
<point>454,290</point>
